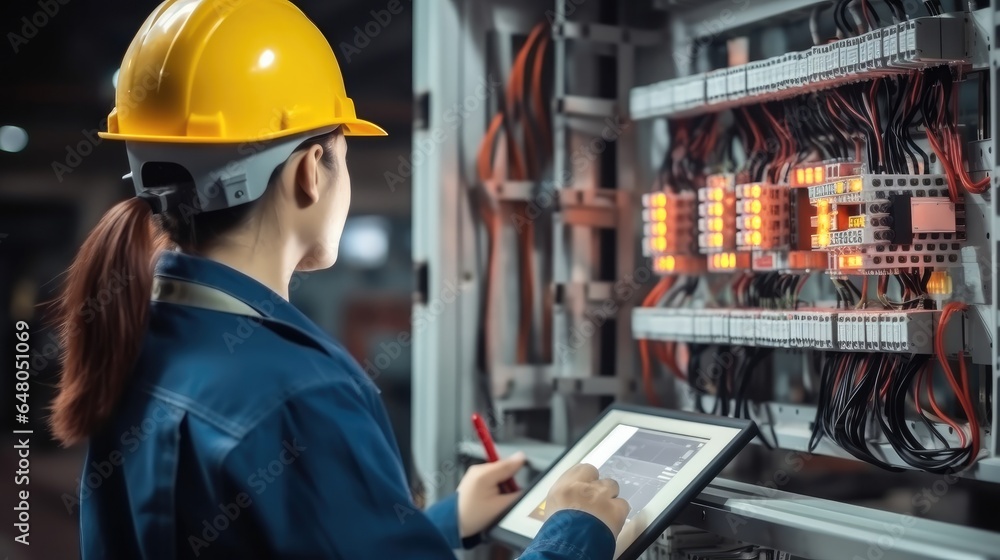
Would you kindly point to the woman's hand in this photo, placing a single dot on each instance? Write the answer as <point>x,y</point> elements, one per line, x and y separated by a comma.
<point>581,488</point>
<point>479,499</point>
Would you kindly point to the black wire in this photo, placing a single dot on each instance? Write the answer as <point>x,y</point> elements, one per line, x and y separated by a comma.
<point>854,289</point>
<point>847,19</point>
<point>823,402</point>
<point>838,18</point>
<point>892,419</point>
<point>892,138</point>
<point>874,14</point>
<point>840,125</point>
<point>897,10</point>
<point>696,378</point>
<point>905,127</point>
<point>925,279</point>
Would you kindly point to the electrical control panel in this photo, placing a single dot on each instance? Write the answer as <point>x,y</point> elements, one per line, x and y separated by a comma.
<point>781,211</point>
<point>839,212</point>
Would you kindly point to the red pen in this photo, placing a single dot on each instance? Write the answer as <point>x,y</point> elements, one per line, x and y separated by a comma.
<point>483,432</point>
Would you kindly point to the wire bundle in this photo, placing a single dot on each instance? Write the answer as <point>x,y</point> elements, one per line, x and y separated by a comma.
<point>729,385</point>
<point>692,141</point>
<point>669,291</point>
<point>523,118</point>
<point>883,114</point>
<point>912,287</point>
<point>757,138</point>
<point>770,290</point>
<point>644,345</point>
<point>861,391</point>
<point>940,108</point>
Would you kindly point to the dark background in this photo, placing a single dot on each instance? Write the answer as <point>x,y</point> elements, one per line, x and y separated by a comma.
<point>57,86</point>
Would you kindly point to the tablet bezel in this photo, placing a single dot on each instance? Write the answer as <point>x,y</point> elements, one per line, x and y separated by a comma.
<point>747,431</point>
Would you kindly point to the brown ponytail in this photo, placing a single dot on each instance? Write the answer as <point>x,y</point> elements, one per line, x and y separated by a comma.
<point>102,314</point>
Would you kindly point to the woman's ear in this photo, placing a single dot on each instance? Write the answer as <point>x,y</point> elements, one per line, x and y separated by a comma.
<point>308,179</point>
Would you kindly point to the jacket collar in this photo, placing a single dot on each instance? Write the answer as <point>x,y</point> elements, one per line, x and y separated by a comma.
<point>213,274</point>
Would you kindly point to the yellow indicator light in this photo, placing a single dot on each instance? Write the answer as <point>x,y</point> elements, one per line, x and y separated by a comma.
<point>755,191</point>
<point>755,238</point>
<point>660,215</point>
<point>660,228</point>
<point>717,260</point>
<point>727,261</point>
<point>659,200</point>
<point>800,176</point>
<point>809,175</point>
<point>715,195</point>
<point>823,205</point>
<point>856,221</point>
<point>755,207</point>
<point>839,187</point>
<point>715,209</point>
<point>755,224</point>
<point>717,240</point>
<point>855,185</point>
<point>823,222</point>
<point>849,261</point>
<point>667,263</point>
<point>820,173</point>
<point>824,239</point>
<point>717,224</point>
<point>660,243</point>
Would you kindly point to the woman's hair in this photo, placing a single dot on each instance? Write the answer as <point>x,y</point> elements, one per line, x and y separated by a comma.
<point>103,309</point>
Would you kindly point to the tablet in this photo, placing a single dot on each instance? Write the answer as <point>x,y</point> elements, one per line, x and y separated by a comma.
<point>660,458</point>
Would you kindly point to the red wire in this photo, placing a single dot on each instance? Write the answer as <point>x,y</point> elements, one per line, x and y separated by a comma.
<point>961,389</point>
<point>644,351</point>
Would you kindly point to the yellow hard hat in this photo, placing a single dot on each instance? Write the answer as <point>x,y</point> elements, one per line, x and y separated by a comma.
<point>230,71</point>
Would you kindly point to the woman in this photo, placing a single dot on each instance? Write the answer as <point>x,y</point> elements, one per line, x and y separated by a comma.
<point>222,423</point>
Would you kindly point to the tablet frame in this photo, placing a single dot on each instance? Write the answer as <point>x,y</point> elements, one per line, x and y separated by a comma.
<point>747,431</point>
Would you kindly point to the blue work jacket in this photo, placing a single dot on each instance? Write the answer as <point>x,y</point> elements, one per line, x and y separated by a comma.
<point>260,437</point>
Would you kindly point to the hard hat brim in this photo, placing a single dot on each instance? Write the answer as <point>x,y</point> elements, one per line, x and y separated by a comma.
<point>363,128</point>
<point>352,127</point>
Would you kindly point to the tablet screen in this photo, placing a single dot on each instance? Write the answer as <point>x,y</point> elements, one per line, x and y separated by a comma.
<point>641,461</point>
<point>656,456</point>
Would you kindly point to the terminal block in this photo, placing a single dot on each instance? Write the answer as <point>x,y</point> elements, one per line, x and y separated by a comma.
<point>880,224</point>
<point>921,42</point>
<point>762,217</point>
<point>670,232</point>
<point>669,223</point>
<point>825,329</point>
<point>717,214</point>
